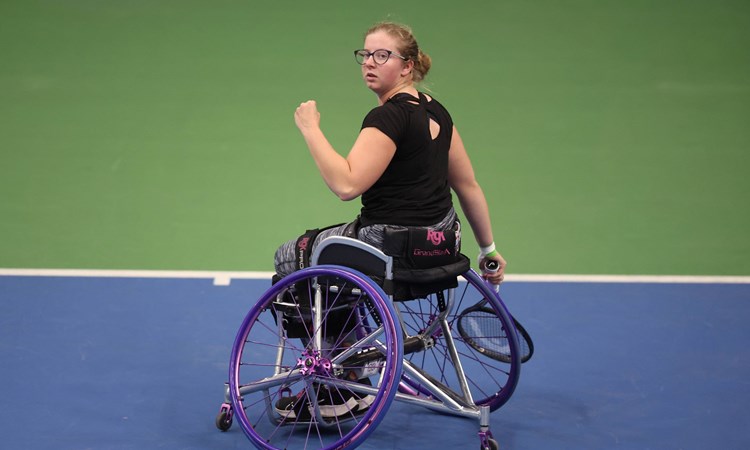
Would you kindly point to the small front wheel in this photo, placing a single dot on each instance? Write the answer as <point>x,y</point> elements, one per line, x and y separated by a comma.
<point>491,445</point>
<point>224,418</point>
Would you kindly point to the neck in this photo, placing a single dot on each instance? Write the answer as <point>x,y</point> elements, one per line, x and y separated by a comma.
<point>406,87</point>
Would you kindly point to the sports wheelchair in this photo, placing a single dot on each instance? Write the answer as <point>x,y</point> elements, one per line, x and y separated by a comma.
<point>321,356</point>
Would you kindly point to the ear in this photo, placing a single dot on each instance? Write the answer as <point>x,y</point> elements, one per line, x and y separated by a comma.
<point>408,68</point>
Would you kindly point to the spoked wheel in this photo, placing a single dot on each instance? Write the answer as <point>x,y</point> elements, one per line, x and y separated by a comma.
<point>316,362</point>
<point>487,350</point>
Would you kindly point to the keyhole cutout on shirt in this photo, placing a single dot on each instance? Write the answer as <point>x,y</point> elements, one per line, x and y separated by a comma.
<point>434,129</point>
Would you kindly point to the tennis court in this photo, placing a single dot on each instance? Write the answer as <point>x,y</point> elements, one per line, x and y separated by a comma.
<point>135,363</point>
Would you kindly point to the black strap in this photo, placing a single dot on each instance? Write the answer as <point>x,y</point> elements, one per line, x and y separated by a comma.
<point>303,247</point>
<point>352,228</point>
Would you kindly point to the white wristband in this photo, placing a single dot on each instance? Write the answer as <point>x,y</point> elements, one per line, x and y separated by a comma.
<point>484,251</point>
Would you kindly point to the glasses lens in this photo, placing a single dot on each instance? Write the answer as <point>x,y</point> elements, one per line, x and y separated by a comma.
<point>360,56</point>
<point>381,56</point>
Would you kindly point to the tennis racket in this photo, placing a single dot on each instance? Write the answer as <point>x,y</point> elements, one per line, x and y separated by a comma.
<point>481,328</point>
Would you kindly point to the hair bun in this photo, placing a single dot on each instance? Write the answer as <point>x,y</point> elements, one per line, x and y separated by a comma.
<point>422,66</point>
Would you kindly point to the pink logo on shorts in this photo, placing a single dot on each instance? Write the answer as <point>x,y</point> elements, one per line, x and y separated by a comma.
<point>436,237</point>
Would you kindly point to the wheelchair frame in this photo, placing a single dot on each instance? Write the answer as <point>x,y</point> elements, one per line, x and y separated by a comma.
<point>378,338</point>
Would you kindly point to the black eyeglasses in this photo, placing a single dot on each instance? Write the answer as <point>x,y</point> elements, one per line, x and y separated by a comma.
<point>380,56</point>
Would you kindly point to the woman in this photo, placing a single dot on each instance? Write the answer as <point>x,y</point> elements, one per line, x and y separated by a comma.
<point>407,157</point>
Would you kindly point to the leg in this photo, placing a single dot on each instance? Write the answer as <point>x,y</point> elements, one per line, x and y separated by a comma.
<point>285,259</point>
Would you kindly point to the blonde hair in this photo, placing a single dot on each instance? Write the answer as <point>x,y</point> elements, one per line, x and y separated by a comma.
<point>408,47</point>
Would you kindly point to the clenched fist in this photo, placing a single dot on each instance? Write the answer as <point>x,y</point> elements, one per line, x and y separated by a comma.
<point>307,116</point>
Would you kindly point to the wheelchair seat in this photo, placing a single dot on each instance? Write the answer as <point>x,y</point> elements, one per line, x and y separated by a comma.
<point>398,282</point>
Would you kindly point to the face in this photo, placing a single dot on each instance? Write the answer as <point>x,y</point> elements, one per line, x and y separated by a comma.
<point>381,78</point>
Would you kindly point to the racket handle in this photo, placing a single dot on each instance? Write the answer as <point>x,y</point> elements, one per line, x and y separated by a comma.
<point>492,266</point>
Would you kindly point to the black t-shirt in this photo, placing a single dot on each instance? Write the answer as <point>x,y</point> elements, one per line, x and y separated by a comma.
<point>414,188</point>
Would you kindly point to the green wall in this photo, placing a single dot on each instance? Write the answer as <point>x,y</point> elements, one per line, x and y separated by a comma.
<point>610,136</point>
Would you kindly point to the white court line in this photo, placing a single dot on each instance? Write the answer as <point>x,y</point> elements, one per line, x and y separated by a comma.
<point>671,279</point>
<point>222,278</point>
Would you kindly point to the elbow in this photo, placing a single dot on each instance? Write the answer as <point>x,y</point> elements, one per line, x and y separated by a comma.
<point>347,194</point>
<point>347,190</point>
<point>465,187</point>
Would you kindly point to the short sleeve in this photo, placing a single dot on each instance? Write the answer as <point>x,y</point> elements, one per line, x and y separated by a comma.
<point>388,118</point>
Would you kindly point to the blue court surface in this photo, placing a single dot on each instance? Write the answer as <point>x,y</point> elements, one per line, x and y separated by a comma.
<point>139,363</point>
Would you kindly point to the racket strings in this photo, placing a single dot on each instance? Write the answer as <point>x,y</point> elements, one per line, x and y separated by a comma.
<point>483,330</point>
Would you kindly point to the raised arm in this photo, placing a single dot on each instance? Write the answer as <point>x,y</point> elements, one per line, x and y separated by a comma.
<point>474,204</point>
<point>348,177</point>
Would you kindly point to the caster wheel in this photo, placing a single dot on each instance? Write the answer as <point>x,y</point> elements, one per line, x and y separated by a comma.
<point>492,445</point>
<point>224,420</point>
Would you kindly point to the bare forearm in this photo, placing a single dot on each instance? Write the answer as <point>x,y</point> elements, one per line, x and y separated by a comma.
<point>474,205</point>
<point>333,167</point>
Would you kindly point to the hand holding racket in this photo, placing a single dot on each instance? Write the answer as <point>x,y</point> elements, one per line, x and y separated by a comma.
<point>492,264</point>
